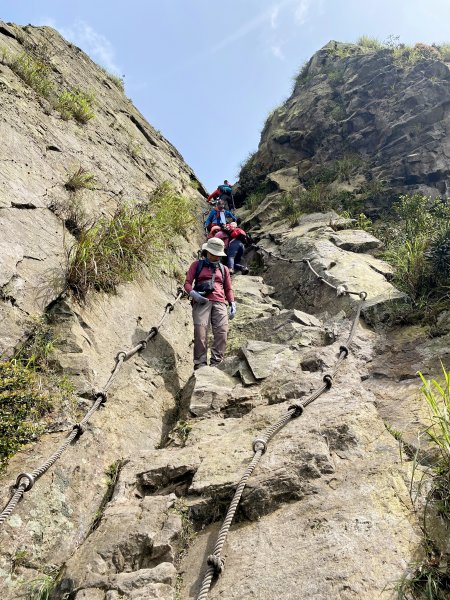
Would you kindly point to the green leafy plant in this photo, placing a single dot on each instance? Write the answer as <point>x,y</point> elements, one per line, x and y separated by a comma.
<point>254,199</point>
<point>80,179</point>
<point>29,390</point>
<point>34,73</point>
<point>430,578</point>
<point>417,245</point>
<point>182,430</point>
<point>444,51</point>
<point>113,78</point>
<point>115,249</point>
<point>42,587</point>
<point>370,43</point>
<point>76,105</point>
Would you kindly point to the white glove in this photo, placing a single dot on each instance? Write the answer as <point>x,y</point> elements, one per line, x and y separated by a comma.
<point>232,312</point>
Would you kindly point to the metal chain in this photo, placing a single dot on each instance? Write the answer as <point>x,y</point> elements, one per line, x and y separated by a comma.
<point>25,481</point>
<point>215,562</point>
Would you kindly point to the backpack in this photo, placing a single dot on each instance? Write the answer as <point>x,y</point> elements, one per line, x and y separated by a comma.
<point>200,265</point>
<point>225,190</point>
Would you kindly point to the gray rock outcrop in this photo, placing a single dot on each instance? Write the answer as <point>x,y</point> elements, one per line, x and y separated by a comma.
<point>389,116</point>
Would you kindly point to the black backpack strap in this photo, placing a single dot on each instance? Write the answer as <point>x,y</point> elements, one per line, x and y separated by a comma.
<point>200,265</point>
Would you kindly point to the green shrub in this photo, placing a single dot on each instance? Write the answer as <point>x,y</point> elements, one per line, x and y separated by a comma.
<point>254,199</point>
<point>444,50</point>
<point>75,104</point>
<point>338,113</point>
<point>41,588</point>
<point>80,179</point>
<point>22,406</point>
<point>116,249</point>
<point>369,43</point>
<point>28,391</point>
<point>34,73</point>
<point>417,245</point>
<point>431,578</point>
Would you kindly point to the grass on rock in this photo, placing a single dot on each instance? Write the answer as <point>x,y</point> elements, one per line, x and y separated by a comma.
<point>138,235</point>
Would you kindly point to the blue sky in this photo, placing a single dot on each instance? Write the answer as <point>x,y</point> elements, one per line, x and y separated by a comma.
<point>208,72</point>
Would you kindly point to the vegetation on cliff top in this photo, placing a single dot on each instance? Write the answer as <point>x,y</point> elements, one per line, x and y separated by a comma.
<point>33,69</point>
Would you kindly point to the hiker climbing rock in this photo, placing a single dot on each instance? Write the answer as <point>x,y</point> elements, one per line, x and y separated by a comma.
<point>219,216</point>
<point>238,240</point>
<point>208,283</point>
<point>224,193</point>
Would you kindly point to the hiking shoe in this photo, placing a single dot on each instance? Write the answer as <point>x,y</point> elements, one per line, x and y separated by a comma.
<point>244,270</point>
<point>231,271</point>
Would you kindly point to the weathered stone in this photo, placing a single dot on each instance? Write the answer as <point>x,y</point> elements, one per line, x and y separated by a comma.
<point>262,357</point>
<point>355,240</point>
<point>211,390</point>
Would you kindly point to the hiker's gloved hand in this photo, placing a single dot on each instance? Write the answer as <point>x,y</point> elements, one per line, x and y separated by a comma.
<point>198,297</point>
<point>232,313</point>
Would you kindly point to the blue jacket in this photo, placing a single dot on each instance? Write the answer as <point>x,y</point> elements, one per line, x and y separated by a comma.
<point>225,214</point>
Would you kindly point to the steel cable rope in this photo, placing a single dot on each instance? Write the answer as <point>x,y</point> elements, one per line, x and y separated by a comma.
<point>215,562</point>
<point>308,263</point>
<point>25,481</point>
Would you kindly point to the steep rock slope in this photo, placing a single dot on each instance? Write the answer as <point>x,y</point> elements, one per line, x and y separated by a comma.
<point>39,153</point>
<point>326,513</point>
<point>384,111</point>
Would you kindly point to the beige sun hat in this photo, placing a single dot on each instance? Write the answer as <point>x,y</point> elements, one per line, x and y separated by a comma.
<point>215,246</point>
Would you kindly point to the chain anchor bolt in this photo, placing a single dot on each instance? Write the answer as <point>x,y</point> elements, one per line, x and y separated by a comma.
<point>30,481</point>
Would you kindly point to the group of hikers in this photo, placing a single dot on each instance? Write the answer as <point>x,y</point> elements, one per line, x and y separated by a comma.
<point>208,280</point>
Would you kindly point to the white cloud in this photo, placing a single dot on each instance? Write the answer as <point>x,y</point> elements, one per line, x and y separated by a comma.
<point>274,16</point>
<point>277,52</point>
<point>95,44</point>
<point>301,11</point>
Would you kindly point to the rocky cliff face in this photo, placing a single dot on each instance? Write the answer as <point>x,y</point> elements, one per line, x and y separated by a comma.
<point>327,512</point>
<point>385,111</point>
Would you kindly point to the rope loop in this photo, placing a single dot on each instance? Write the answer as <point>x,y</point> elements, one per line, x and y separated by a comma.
<point>343,349</point>
<point>305,261</point>
<point>328,379</point>
<point>79,428</point>
<point>30,481</point>
<point>291,260</point>
<point>121,356</point>
<point>181,291</point>
<point>363,295</point>
<point>217,563</point>
<point>153,331</point>
<point>298,409</point>
<point>259,445</point>
<point>169,307</point>
<point>143,344</point>
<point>101,394</point>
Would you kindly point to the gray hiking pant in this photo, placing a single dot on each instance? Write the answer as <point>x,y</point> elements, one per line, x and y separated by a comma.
<point>203,315</point>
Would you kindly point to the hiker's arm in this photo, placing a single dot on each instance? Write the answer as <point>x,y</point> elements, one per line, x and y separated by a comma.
<point>213,195</point>
<point>190,277</point>
<point>227,286</point>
